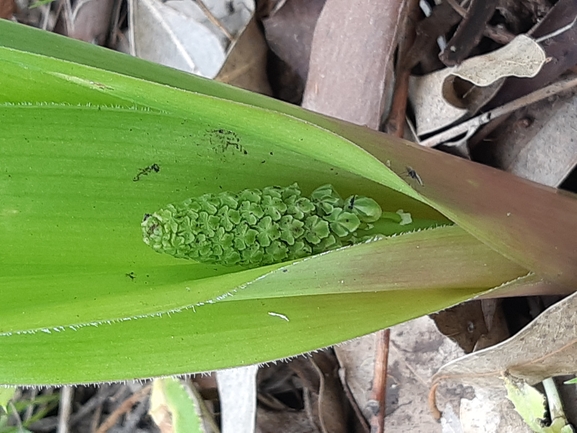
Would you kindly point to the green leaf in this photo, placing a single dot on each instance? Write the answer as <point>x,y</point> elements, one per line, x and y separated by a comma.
<point>171,404</point>
<point>531,405</point>
<point>6,394</point>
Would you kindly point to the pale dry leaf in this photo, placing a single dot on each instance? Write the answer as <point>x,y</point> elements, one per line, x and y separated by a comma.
<point>545,348</point>
<point>162,34</point>
<point>538,143</point>
<point>432,111</point>
<point>416,350</point>
<point>224,18</point>
<point>522,57</point>
<point>357,360</point>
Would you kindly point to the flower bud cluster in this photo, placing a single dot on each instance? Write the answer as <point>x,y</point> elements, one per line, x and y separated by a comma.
<point>259,227</point>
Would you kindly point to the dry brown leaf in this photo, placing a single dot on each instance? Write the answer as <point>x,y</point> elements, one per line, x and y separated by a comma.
<point>453,92</point>
<point>7,8</point>
<point>546,347</point>
<point>245,65</point>
<point>537,143</point>
<point>333,411</point>
<point>463,323</point>
<point>289,33</point>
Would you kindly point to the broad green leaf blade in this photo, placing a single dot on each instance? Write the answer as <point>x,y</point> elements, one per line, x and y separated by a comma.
<point>71,209</point>
<point>257,323</point>
<point>210,337</point>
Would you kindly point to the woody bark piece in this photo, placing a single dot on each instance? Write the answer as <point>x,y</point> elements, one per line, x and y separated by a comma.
<point>353,47</point>
<point>469,32</point>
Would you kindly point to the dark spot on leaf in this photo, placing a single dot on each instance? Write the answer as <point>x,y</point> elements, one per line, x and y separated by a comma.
<point>145,171</point>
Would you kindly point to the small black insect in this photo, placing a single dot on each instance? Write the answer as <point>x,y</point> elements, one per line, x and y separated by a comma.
<point>414,175</point>
<point>131,275</point>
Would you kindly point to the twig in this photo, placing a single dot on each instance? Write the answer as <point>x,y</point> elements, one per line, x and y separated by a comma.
<point>458,8</point>
<point>214,20</point>
<point>96,401</point>
<point>30,407</point>
<point>95,418</point>
<point>379,391</point>
<point>123,408</point>
<point>134,417</point>
<point>396,119</point>
<point>471,125</point>
<point>16,415</point>
<point>432,401</point>
<point>498,34</point>
<point>557,32</point>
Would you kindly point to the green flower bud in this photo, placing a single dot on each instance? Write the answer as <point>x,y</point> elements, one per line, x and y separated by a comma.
<point>259,227</point>
<point>365,208</point>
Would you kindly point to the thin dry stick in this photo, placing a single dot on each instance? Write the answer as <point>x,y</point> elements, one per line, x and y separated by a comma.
<point>458,8</point>
<point>123,408</point>
<point>16,415</point>
<point>213,19</point>
<point>95,418</point>
<point>498,34</point>
<point>30,408</point>
<point>471,125</point>
<point>432,401</point>
<point>397,115</point>
<point>65,409</point>
<point>379,391</point>
<point>93,404</point>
